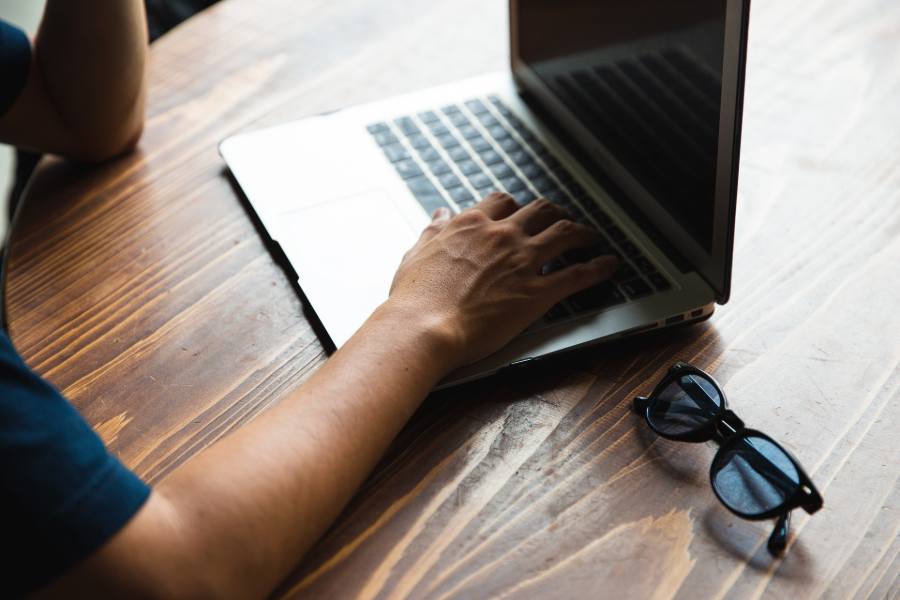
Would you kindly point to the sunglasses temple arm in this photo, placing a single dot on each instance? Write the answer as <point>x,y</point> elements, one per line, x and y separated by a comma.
<point>778,540</point>
<point>640,404</point>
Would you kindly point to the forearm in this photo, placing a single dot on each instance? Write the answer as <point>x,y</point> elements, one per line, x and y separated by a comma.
<point>232,521</point>
<point>237,517</point>
<point>92,60</point>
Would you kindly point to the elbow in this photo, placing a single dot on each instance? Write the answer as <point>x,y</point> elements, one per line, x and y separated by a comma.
<point>98,147</point>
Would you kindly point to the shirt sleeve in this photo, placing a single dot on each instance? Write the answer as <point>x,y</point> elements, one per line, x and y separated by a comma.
<point>15,60</point>
<point>63,494</point>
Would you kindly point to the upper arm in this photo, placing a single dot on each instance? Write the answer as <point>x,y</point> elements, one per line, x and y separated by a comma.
<point>147,558</point>
<point>28,118</point>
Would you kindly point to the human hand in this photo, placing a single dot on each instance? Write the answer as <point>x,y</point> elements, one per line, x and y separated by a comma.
<point>477,276</point>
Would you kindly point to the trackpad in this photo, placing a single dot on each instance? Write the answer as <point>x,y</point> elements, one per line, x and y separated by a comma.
<point>345,253</point>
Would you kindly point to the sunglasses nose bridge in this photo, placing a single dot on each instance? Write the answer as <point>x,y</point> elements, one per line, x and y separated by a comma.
<point>733,423</point>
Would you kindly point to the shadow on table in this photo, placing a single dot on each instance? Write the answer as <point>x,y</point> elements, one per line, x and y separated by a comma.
<point>746,541</point>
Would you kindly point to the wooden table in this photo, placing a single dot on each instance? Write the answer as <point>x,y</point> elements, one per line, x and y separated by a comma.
<point>141,289</point>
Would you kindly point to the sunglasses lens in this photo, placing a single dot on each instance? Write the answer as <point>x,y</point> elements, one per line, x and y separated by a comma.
<point>754,476</point>
<point>686,404</point>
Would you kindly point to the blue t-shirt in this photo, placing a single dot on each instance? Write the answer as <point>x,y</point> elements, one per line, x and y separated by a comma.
<point>62,494</point>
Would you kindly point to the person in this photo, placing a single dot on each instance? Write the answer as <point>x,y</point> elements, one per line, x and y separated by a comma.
<point>233,520</point>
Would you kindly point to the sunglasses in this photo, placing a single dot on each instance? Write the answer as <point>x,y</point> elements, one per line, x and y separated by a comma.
<point>751,474</point>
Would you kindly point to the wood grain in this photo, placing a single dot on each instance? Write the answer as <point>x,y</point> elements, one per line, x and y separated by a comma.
<point>141,289</point>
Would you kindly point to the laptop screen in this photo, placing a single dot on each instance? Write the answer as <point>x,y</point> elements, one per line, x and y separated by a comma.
<point>640,84</point>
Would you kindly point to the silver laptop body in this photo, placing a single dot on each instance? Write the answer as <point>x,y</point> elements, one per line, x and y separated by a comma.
<point>609,127</point>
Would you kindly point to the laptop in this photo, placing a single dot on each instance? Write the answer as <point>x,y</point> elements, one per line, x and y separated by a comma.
<point>627,113</point>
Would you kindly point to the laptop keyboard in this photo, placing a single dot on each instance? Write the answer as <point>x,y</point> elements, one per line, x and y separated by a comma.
<point>453,156</point>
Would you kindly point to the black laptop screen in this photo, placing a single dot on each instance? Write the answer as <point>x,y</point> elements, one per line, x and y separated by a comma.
<point>644,79</point>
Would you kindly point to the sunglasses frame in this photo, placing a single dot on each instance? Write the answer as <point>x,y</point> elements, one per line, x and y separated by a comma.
<point>728,430</point>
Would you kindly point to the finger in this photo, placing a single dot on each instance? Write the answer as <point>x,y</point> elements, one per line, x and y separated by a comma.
<point>439,219</point>
<point>538,216</point>
<point>498,205</point>
<point>561,237</point>
<point>571,280</point>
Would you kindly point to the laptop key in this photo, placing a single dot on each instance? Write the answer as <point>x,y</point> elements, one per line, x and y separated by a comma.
<point>564,176</point>
<point>438,167</point>
<point>644,264</point>
<point>458,154</point>
<point>576,190</point>
<point>543,184</point>
<point>636,288</point>
<point>599,215</point>
<point>378,128</point>
<point>629,248</point>
<point>407,168</point>
<point>426,194</point>
<point>539,148</point>
<point>498,132</point>
<point>421,186</point>
<point>510,145</point>
<point>407,125</point>
<point>524,196</point>
<point>625,272</point>
<point>385,138</point>
<point>449,180</point>
<point>483,191</point>
<point>469,167</point>
<point>459,119</point>
<point>450,109</point>
<point>532,170</point>
<point>521,159</point>
<point>395,152</point>
<point>418,141</point>
<point>480,144</point>
<point>512,184</point>
<point>480,180</point>
<point>432,202</point>
<point>461,195</point>
<point>550,161</point>
<point>429,154</point>
<point>476,106</point>
<point>490,157</point>
<point>437,128</point>
<point>615,233</point>
<point>488,120</point>
<point>469,132</point>
<point>447,140</point>
<point>557,197</point>
<point>429,117</point>
<point>501,170</point>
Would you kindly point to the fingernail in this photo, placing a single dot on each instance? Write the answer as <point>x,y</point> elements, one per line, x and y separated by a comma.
<point>440,214</point>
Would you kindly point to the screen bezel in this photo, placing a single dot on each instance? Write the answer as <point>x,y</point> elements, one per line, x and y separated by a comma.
<point>715,266</point>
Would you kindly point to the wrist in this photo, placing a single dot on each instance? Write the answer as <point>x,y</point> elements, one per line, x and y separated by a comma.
<point>435,335</point>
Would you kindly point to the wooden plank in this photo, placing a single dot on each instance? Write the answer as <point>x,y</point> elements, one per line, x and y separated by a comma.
<point>134,287</point>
